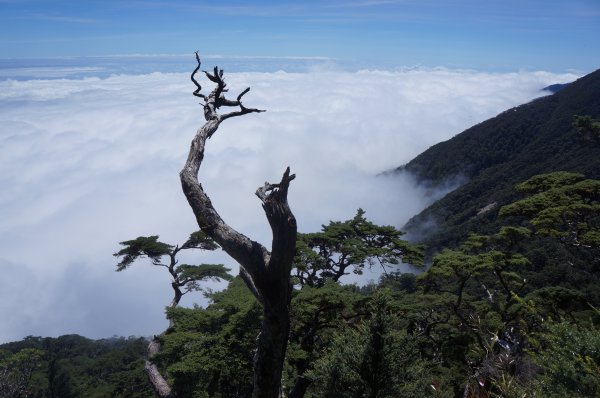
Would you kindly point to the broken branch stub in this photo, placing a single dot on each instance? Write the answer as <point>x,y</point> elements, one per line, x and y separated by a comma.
<point>266,273</point>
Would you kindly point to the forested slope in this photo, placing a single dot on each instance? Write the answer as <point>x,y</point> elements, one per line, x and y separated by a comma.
<point>495,155</point>
<point>74,366</point>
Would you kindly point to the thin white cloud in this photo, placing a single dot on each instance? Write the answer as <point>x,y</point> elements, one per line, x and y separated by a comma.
<point>62,18</point>
<point>87,163</point>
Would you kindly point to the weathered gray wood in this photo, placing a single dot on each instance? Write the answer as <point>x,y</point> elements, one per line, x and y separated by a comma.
<point>159,384</point>
<point>267,273</point>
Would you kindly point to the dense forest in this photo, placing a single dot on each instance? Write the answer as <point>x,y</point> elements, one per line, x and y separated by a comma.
<point>497,154</point>
<point>505,302</point>
<point>74,366</point>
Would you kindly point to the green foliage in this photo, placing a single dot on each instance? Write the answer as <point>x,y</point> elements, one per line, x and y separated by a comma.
<point>322,304</point>
<point>480,289</point>
<point>142,246</point>
<point>570,358</point>
<point>73,366</point>
<point>351,244</point>
<point>559,301</point>
<point>317,313</point>
<point>588,128</point>
<point>191,275</point>
<point>199,240</point>
<point>562,205</point>
<point>372,359</point>
<point>495,155</point>
<point>152,248</point>
<point>16,372</point>
<point>210,351</point>
<point>544,182</point>
<point>185,276</point>
<point>486,295</point>
<point>399,282</point>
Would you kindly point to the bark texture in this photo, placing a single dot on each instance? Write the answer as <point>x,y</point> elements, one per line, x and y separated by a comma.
<point>159,384</point>
<point>267,273</point>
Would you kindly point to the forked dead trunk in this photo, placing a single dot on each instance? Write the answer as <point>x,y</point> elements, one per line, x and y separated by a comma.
<point>266,273</point>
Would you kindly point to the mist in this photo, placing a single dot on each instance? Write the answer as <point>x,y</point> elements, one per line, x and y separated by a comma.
<point>87,163</point>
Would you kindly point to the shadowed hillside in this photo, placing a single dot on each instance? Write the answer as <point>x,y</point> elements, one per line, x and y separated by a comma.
<point>530,139</point>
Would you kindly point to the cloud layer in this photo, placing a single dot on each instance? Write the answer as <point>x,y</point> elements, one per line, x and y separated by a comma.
<point>85,164</point>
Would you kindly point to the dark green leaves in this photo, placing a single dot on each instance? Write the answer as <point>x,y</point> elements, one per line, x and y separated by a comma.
<point>561,205</point>
<point>351,244</point>
<point>147,246</point>
<point>588,128</point>
<point>199,240</point>
<point>191,275</point>
<point>186,277</point>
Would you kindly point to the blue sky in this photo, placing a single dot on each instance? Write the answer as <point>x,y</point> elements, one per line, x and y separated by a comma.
<point>552,35</point>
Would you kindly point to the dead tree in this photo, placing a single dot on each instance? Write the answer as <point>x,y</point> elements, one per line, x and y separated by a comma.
<point>266,273</point>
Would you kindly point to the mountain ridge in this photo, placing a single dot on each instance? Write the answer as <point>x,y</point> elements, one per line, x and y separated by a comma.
<point>494,155</point>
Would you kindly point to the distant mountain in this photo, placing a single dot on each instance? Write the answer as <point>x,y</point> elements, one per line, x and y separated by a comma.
<point>495,155</point>
<point>555,88</point>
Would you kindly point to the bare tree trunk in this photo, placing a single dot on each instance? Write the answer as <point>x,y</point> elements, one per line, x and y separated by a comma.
<point>302,382</point>
<point>159,384</point>
<point>267,274</point>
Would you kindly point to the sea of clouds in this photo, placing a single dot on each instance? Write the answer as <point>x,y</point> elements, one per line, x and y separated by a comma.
<point>86,163</point>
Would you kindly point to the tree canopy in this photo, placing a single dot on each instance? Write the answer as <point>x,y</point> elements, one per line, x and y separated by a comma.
<point>342,247</point>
